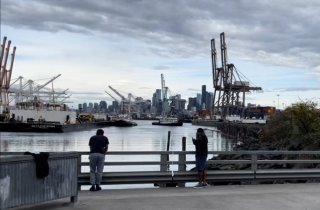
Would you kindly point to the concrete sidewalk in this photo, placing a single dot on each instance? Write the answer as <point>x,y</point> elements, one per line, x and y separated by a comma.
<point>237,197</point>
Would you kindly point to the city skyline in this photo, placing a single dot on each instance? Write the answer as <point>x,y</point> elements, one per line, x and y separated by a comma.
<point>94,44</point>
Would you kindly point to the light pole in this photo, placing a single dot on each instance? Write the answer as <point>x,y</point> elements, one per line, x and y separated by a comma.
<point>278,101</point>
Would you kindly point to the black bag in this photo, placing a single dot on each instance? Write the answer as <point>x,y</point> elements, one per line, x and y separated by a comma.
<point>42,166</point>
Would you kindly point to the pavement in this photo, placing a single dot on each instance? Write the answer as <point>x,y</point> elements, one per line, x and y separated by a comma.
<point>228,197</point>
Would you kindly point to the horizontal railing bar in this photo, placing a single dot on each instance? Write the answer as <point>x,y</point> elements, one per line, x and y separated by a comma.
<point>258,152</point>
<point>253,158</point>
<point>287,161</point>
<point>127,163</point>
<point>172,162</point>
<point>228,161</point>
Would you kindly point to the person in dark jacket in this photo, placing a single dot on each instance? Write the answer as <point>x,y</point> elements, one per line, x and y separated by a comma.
<point>201,144</point>
<point>98,148</point>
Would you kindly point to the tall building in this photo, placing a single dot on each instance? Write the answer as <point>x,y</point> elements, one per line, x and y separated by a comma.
<point>90,107</point>
<point>181,104</point>
<point>209,101</point>
<point>203,96</point>
<point>115,106</point>
<point>198,101</point>
<point>80,107</point>
<point>103,106</point>
<point>158,94</point>
<point>85,107</point>
<point>157,102</point>
<point>192,103</point>
<point>96,107</point>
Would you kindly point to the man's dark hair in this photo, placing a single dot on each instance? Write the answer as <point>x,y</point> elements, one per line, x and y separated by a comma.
<point>100,132</point>
<point>200,130</point>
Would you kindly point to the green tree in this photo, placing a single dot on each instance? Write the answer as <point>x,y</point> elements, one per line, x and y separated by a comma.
<point>297,127</point>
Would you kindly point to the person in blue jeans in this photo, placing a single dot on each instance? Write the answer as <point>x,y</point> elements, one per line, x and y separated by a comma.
<point>201,144</point>
<point>98,148</point>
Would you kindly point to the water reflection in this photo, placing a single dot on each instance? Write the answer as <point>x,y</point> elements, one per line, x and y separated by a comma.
<point>144,137</point>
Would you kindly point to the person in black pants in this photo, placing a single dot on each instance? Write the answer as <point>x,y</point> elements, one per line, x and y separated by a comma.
<point>98,148</point>
<point>201,144</point>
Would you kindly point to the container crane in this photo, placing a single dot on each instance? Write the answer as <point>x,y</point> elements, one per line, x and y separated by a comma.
<point>228,84</point>
<point>112,96</point>
<point>5,74</point>
<point>39,87</point>
<point>116,92</point>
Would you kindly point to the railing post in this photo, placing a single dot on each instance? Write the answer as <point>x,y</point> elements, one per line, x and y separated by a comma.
<point>79,170</point>
<point>168,148</point>
<point>163,166</point>
<point>254,166</point>
<point>163,162</point>
<point>182,160</point>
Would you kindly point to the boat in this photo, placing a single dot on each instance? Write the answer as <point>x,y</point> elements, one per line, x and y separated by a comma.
<point>168,115</point>
<point>17,124</point>
<point>118,121</point>
<point>34,126</point>
<point>53,117</point>
<point>168,121</point>
<point>49,118</point>
<point>247,120</point>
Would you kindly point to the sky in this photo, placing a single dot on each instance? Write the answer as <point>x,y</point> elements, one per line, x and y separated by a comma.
<point>128,44</point>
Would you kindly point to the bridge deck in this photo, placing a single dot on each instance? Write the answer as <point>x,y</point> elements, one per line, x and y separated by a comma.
<point>249,197</point>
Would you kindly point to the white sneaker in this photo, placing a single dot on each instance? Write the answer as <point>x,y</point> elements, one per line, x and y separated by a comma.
<point>199,185</point>
<point>205,185</point>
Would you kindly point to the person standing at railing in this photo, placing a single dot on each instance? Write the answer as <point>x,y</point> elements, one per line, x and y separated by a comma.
<point>201,144</point>
<point>98,148</point>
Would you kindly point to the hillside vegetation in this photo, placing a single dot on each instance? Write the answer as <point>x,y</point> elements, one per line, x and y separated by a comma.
<point>296,128</point>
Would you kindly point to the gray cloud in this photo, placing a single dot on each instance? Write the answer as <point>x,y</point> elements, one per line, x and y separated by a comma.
<point>162,67</point>
<point>86,93</point>
<point>294,89</point>
<point>279,33</point>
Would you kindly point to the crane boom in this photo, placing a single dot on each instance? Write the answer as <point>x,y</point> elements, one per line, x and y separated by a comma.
<point>45,84</point>
<point>112,96</point>
<point>121,96</point>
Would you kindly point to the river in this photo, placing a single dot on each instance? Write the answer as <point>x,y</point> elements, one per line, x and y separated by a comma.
<point>144,137</point>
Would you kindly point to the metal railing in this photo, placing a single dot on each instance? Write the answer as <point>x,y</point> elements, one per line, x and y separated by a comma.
<point>21,185</point>
<point>170,167</point>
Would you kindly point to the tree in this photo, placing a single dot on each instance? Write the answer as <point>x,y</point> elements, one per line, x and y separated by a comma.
<point>297,127</point>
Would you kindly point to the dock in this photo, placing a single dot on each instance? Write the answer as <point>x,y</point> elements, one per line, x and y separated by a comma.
<point>230,197</point>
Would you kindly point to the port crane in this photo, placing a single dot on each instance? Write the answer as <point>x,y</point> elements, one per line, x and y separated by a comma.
<point>128,105</point>
<point>39,87</point>
<point>114,98</point>
<point>125,103</point>
<point>168,104</point>
<point>5,73</point>
<point>228,84</point>
<point>30,91</point>
<point>116,92</point>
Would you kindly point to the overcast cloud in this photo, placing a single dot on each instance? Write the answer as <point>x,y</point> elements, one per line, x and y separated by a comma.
<point>130,42</point>
<point>275,32</point>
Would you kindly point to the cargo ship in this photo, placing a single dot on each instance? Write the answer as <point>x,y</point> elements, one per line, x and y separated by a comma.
<point>54,118</point>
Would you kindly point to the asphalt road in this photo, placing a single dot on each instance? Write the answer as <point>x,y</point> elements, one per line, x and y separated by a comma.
<point>230,197</point>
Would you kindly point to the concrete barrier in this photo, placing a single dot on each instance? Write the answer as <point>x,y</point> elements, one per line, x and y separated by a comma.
<point>19,184</point>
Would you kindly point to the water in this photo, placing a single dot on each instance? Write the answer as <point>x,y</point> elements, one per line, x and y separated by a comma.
<point>144,137</point>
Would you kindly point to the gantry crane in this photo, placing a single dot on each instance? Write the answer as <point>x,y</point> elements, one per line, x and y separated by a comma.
<point>228,84</point>
<point>29,91</point>
<point>114,98</point>
<point>121,96</point>
<point>125,103</point>
<point>5,73</point>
